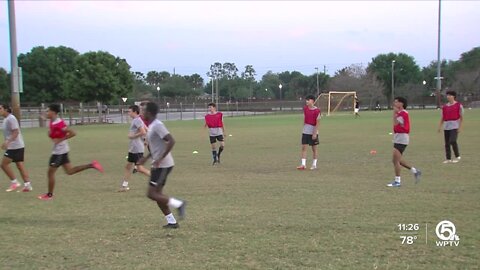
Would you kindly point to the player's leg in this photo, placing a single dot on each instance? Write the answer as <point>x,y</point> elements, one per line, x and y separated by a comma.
<point>305,142</point>
<point>448,153</point>
<point>315,156</point>
<point>213,143</point>
<point>25,176</point>
<point>155,192</point>
<point>396,157</point>
<point>55,162</point>
<point>222,146</point>
<point>454,144</point>
<point>14,184</point>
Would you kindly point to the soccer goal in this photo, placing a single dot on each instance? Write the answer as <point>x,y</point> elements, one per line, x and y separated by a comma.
<point>336,102</point>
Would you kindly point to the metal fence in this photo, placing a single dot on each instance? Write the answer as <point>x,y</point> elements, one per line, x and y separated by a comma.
<point>79,114</point>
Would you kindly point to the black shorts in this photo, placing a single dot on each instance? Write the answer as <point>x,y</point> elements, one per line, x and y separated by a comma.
<point>16,155</point>
<point>214,139</point>
<point>134,157</point>
<point>400,147</point>
<point>58,160</point>
<point>158,176</point>
<point>307,139</point>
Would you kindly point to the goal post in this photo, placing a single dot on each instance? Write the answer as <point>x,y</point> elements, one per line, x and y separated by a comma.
<point>336,101</point>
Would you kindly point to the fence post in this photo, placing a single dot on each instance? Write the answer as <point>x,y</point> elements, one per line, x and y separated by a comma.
<point>41,120</point>
<point>61,110</point>
<point>181,111</point>
<point>194,112</point>
<point>81,112</point>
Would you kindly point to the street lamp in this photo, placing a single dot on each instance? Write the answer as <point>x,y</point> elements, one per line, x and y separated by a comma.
<point>393,80</point>
<point>158,93</point>
<point>318,88</point>
<point>280,87</point>
<point>211,81</point>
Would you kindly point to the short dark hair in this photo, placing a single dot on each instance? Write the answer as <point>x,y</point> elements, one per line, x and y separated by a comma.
<point>135,108</point>
<point>152,108</point>
<point>402,100</point>
<point>212,104</point>
<point>54,107</point>
<point>309,97</point>
<point>452,93</point>
<point>6,108</point>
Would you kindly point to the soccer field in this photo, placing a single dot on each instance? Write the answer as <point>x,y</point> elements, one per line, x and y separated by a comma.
<point>255,210</point>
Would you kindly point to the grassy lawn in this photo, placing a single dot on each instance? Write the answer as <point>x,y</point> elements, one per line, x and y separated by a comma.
<point>254,211</point>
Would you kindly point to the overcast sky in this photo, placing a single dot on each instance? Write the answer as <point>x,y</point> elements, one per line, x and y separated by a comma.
<point>270,35</point>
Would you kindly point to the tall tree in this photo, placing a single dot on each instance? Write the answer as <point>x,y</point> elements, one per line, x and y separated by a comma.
<point>216,71</point>
<point>44,71</point>
<point>99,76</point>
<point>4,85</point>
<point>405,70</point>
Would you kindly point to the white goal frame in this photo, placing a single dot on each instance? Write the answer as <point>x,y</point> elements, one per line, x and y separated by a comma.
<point>346,94</point>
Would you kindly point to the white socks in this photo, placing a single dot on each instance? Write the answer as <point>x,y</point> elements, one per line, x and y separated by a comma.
<point>14,181</point>
<point>397,179</point>
<point>314,163</point>
<point>175,203</point>
<point>125,183</point>
<point>170,219</point>
<point>304,162</point>
<point>413,170</point>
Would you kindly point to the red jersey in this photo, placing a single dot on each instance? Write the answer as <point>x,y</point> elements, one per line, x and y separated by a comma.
<point>57,129</point>
<point>214,120</point>
<point>310,116</point>
<point>405,127</point>
<point>451,112</point>
<point>145,122</point>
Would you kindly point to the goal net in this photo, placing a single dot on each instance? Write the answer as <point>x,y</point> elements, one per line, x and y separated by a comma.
<point>335,102</point>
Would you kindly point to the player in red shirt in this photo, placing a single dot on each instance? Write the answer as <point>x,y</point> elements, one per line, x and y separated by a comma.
<point>216,130</point>
<point>311,121</point>
<point>401,138</point>
<point>60,133</point>
<point>451,123</point>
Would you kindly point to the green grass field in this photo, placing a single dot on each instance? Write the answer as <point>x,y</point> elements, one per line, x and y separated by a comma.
<point>255,211</point>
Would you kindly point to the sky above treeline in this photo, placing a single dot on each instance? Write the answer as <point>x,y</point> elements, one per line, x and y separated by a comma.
<point>188,36</point>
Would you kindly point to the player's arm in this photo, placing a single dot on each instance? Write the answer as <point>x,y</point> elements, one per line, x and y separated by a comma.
<point>141,132</point>
<point>315,129</point>
<point>460,120</point>
<point>10,139</point>
<point>69,133</point>
<point>440,125</point>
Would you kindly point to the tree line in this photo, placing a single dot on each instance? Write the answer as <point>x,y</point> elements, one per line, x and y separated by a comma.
<point>61,74</point>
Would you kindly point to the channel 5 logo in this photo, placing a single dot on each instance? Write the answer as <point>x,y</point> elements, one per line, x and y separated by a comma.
<point>446,232</point>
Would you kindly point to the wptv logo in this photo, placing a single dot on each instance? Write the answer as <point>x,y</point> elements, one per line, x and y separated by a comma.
<point>446,232</point>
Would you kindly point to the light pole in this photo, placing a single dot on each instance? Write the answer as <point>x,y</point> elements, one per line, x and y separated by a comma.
<point>318,88</point>
<point>211,81</point>
<point>158,94</point>
<point>280,87</point>
<point>439,65</point>
<point>393,80</point>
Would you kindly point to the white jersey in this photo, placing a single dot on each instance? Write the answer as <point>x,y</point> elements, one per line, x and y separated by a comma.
<point>155,135</point>
<point>10,123</point>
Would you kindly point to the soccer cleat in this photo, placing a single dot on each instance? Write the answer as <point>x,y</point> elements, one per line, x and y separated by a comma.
<point>214,162</point>
<point>171,226</point>
<point>27,188</point>
<point>124,189</point>
<point>301,168</point>
<point>313,168</point>
<point>96,165</point>
<point>45,197</point>
<point>181,210</point>
<point>13,186</point>
<point>135,169</point>
<point>456,160</point>
<point>447,161</point>
<point>394,184</point>
<point>417,175</point>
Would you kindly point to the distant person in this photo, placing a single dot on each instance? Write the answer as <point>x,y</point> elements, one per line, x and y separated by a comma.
<point>216,130</point>
<point>311,121</point>
<point>15,149</point>
<point>136,146</point>
<point>451,122</point>
<point>59,133</point>
<point>161,143</point>
<point>357,107</point>
<point>378,107</point>
<point>401,129</point>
